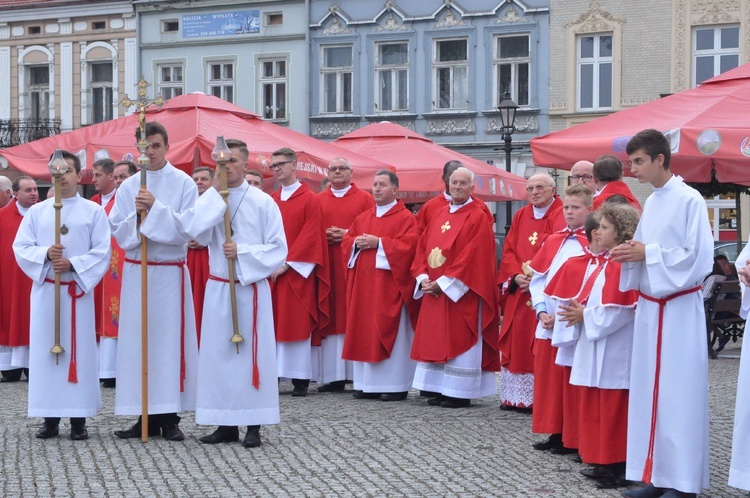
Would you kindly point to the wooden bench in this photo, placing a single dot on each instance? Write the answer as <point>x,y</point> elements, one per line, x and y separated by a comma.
<point>723,314</point>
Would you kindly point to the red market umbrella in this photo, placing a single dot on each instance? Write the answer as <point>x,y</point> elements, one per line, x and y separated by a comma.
<point>419,161</point>
<point>193,121</point>
<point>708,128</point>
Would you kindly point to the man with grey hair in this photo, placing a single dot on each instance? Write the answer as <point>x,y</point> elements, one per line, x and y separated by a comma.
<point>6,191</point>
<point>531,225</point>
<point>378,250</point>
<point>341,204</point>
<point>455,340</point>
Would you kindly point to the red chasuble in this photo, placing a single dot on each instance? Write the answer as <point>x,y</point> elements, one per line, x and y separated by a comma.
<point>616,188</point>
<point>340,212</point>
<point>457,245</point>
<point>107,292</point>
<point>519,320</point>
<point>15,291</point>
<point>375,297</point>
<point>301,305</point>
<point>197,265</point>
<point>434,205</point>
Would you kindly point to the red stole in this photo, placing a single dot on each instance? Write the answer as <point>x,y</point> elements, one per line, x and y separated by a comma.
<point>301,305</point>
<point>340,212</point>
<point>375,297</point>
<point>616,188</point>
<point>15,291</point>
<point>457,245</point>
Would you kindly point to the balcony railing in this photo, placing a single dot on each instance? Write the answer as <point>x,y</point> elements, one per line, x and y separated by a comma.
<point>19,131</point>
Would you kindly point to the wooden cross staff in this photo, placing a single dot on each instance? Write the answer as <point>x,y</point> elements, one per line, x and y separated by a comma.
<point>143,162</point>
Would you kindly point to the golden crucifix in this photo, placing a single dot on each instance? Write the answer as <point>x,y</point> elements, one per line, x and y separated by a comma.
<point>143,162</point>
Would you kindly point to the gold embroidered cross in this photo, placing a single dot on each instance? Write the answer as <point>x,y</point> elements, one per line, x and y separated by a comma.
<point>533,238</point>
<point>446,226</point>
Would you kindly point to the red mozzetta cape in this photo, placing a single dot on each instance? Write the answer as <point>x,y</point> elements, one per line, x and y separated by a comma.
<point>434,205</point>
<point>446,329</point>
<point>107,293</point>
<point>548,252</point>
<point>197,265</point>
<point>519,320</point>
<point>375,297</point>
<point>616,188</point>
<point>340,212</point>
<point>15,291</point>
<point>301,305</point>
<point>570,281</point>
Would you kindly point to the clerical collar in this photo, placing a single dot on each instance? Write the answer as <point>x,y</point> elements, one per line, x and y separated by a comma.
<point>447,196</point>
<point>286,192</point>
<point>21,210</point>
<point>381,210</point>
<point>540,212</point>
<point>456,207</point>
<point>341,192</point>
<point>107,197</point>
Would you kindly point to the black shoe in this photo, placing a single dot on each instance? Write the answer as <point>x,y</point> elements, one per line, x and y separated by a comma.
<point>135,431</point>
<point>615,479</point>
<point>171,432</point>
<point>224,434</point>
<point>596,472</point>
<point>109,382</point>
<point>673,493</point>
<point>394,396</point>
<point>428,394</point>
<point>48,430</point>
<point>436,400</point>
<point>252,438</point>
<point>562,450</point>
<point>551,442</point>
<point>78,432</point>
<point>577,458</point>
<point>449,402</point>
<point>13,375</point>
<point>333,387</point>
<point>649,491</point>
<point>364,395</point>
<point>300,387</point>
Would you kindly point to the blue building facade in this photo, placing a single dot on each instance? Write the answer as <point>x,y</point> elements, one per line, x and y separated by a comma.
<point>438,67</point>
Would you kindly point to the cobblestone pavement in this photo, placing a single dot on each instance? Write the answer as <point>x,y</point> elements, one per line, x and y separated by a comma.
<point>327,445</point>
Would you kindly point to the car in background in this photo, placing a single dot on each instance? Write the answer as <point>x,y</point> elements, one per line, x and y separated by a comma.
<point>728,249</point>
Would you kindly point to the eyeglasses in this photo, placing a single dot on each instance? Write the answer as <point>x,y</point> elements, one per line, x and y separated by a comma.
<point>581,177</point>
<point>532,188</point>
<point>338,168</point>
<point>279,164</point>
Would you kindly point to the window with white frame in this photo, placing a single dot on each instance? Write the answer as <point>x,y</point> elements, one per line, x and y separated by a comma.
<point>716,49</point>
<point>512,63</point>
<point>595,66</point>
<point>38,91</point>
<point>273,85</point>
<point>170,80</point>
<point>220,80</point>
<point>101,91</point>
<point>392,77</point>
<point>336,76</point>
<point>451,80</point>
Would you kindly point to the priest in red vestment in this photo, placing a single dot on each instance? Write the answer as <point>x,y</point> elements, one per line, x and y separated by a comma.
<point>341,203</point>
<point>531,225</point>
<point>608,176</point>
<point>107,293</point>
<point>197,255</point>
<point>456,336</point>
<point>434,205</point>
<point>15,290</point>
<point>378,250</point>
<point>301,287</point>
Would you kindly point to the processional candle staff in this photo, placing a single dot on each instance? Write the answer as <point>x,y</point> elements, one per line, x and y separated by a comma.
<point>57,168</point>
<point>222,154</point>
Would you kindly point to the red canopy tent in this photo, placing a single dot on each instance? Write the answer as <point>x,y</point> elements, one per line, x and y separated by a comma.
<point>419,161</point>
<point>708,128</point>
<point>193,122</point>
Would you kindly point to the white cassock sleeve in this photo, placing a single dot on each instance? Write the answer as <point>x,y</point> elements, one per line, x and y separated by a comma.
<point>562,335</point>
<point>91,266</point>
<point>123,219</point>
<point>257,261</point>
<point>601,321</point>
<point>164,225</point>
<point>740,264</point>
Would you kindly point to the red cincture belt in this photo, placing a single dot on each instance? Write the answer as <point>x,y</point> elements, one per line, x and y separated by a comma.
<point>181,265</point>
<point>256,372</point>
<point>662,302</point>
<point>72,368</point>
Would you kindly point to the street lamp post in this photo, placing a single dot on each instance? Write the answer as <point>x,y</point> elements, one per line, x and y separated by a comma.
<point>508,122</point>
